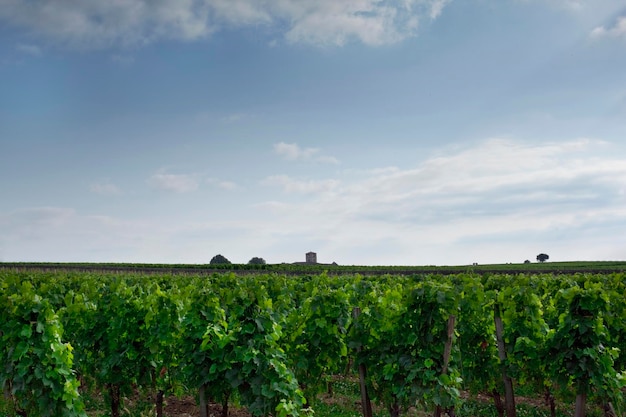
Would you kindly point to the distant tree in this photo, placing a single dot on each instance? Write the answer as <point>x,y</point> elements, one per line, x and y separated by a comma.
<point>542,257</point>
<point>257,261</point>
<point>219,260</point>
<point>526,261</point>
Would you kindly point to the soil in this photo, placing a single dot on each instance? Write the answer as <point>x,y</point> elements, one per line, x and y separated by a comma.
<point>187,407</point>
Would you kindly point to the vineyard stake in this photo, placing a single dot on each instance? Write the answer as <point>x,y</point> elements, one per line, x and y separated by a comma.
<point>365,399</point>
<point>509,397</point>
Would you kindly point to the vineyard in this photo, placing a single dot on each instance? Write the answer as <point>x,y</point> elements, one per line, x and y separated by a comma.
<point>272,342</point>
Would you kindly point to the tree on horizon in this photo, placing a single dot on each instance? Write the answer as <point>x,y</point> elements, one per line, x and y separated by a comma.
<point>219,260</point>
<point>257,261</point>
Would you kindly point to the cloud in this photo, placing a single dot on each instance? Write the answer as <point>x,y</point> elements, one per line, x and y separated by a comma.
<point>496,200</point>
<point>28,49</point>
<point>137,22</point>
<point>224,185</point>
<point>615,31</point>
<point>497,178</point>
<point>336,23</point>
<point>100,24</point>
<point>436,8</point>
<point>186,183</point>
<point>293,152</point>
<point>105,188</point>
<point>291,185</point>
<point>497,190</point>
<point>34,220</point>
<point>178,183</point>
<point>62,234</point>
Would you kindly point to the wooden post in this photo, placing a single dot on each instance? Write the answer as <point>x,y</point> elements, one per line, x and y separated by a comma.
<point>365,399</point>
<point>446,356</point>
<point>509,397</point>
<point>448,349</point>
<point>114,393</point>
<point>497,401</point>
<point>581,399</point>
<point>204,409</point>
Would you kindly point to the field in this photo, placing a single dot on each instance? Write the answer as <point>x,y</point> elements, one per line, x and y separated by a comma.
<point>286,340</point>
<point>299,269</point>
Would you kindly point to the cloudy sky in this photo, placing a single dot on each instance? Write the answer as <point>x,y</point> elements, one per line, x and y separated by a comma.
<point>373,132</point>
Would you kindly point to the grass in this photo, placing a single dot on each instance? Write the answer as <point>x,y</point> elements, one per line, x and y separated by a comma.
<point>345,402</point>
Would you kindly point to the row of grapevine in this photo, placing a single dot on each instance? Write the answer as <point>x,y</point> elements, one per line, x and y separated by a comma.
<point>270,342</point>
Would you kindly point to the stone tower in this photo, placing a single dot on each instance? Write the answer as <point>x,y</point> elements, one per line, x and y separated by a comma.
<point>311,258</point>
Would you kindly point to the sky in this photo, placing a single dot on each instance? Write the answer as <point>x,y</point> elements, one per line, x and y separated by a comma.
<point>372,132</point>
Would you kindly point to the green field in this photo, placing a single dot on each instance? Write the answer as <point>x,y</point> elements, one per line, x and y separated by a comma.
<point>296,269</point>
<point>108,339</point>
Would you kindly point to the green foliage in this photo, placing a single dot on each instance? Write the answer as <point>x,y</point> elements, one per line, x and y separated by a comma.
<point>161,328</point>
<point>542,257</point>
<point>262,340</point>
<point>317,345</point>
<point>231,344</point>
<point>219,260</point>
<point>37,364</point>
<point>400,336</point>
<point>258,365</point>
<point>257,261</point>
<point>106,321</point>
<point>525,331</point>
<point>580,347</point>
<point>204,339</point>
<point>477,344</point>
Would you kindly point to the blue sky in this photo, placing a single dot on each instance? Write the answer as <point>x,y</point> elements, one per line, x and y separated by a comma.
<point>373,132</point>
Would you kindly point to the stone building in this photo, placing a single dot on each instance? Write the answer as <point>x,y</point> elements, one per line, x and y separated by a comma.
<point>311,258</point>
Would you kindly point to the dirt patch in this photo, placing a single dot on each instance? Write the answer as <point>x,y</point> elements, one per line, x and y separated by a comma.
<point>187,407</point>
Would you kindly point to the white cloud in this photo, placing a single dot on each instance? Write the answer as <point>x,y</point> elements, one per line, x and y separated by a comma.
<point>291,185</point>
<point>178,183</point>
<point>336,23</point>
<point>35,219</point>
<point>615,31</point>
<point>136,22</point>
<point>498,200</point>
<point>242,12</point>
<point>496,190</point>
<point>437,7</point>
<point>105,188</point>
<point>224,185</point>
<point>99,24</point>
<point>479,180</point>
<point>61,234</point>
<point>293,152</point>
